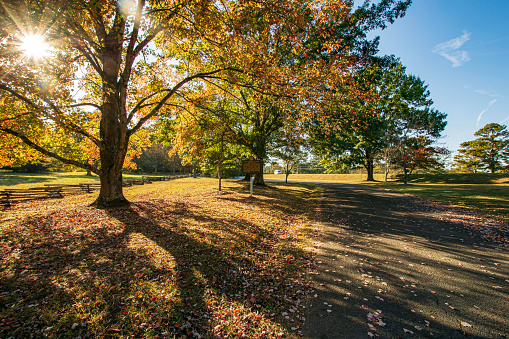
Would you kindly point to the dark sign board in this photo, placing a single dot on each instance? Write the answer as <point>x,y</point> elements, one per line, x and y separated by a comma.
<point>251,166</point>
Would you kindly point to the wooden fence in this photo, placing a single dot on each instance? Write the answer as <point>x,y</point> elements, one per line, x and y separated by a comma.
<point>10,196</point>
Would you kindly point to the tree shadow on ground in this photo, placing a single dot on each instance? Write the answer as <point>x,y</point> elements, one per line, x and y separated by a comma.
<point>267,197</point>
<point>424,270</point>
<point>159,267</point>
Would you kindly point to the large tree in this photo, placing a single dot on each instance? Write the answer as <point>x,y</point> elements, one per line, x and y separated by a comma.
<point>242,120</point>
<point>129,59</point>
<point>319,71</point>
<point>490,151</point>
<point>423,154</point>
<point>398,111</point>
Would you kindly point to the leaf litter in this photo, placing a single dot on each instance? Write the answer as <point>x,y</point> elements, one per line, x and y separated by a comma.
<point>175,264</point>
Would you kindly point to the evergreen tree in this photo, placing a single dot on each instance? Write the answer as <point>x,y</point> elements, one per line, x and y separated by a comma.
<point>490,151</point>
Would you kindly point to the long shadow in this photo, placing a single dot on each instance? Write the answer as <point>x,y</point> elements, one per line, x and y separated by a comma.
<point>299,194</point>
<point>458,178</point>
<point>389,252</point>
<point>111,270</point>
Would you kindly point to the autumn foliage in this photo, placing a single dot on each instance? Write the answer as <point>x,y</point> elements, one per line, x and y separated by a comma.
<point>111,68</point>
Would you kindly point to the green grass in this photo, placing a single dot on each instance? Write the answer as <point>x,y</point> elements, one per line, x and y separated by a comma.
<point>459,178</point>
<point>27,180</point>
<point>345,178</point>
<point>483,193</point>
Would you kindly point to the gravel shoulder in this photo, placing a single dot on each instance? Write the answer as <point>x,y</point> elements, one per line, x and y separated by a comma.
<point>395,266</point>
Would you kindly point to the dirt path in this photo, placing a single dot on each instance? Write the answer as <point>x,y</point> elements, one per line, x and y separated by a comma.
<point>392,266</point>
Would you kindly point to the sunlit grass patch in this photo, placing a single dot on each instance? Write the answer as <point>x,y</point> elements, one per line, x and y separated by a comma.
<point>28,180</point>
<point>343,178</point>
<point>487,199</point>
<point>181,261</point>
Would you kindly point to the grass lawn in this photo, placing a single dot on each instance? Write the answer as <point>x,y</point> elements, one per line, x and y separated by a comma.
<point>182,261</point>
<point>483,193</point>
<point>27,180</point>
<point>346,178</point>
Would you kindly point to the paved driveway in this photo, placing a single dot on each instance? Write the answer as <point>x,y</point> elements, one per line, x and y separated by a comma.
<point>392,266</point>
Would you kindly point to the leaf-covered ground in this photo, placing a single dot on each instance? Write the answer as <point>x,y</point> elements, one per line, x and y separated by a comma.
<point>182,261</point>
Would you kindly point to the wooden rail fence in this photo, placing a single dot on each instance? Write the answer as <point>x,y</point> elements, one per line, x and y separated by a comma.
<point>10,196</point>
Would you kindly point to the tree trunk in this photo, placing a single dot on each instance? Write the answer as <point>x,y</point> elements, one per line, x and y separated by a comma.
<point>287,173</point>
<point>115,138</point>
<point>111,194</point>
<point>89,173</point>
<point>369,166</point>
<point>258,179</point>
<point>405,173</point>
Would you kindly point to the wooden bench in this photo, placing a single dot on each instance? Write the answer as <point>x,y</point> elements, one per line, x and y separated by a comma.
<point>13,195</point>
<point>149,180</point>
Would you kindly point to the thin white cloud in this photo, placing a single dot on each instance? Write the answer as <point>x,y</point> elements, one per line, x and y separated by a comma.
<point>485,110</point>
<point>483,92</point>
<point>451,50</point>
<point>504,120</point>
<point>480,116</point>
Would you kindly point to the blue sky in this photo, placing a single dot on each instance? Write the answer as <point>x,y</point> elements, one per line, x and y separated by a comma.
<point>460,48</point>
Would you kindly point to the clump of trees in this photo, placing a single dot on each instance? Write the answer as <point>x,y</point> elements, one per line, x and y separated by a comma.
<point>112,68</point>
<point>488,152</point>
<point>398,125</point>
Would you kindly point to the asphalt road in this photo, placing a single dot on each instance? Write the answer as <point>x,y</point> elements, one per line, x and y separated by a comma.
<point>391,267</point>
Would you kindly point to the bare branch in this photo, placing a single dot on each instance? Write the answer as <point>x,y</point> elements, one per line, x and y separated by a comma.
<point>141,104</point>
<point>86,104</point>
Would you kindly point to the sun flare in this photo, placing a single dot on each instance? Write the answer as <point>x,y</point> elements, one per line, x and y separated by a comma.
<point>34,46</point>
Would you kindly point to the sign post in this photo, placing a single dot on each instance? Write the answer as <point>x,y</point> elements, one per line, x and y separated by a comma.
<point>251,179</point>
<point>251,166</point>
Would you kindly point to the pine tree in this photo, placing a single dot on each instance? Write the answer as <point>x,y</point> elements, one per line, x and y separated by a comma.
<point>490,151</point>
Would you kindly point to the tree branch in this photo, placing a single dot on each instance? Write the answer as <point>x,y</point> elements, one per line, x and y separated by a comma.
<point>19,96</point>
<point>14,117</point>
<point>86,104</point>
<point>156,109</point>
<point>56,117</point>
<point>44,151</point>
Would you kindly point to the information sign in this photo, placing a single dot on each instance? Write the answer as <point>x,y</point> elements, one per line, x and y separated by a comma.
<point>251,166</point>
